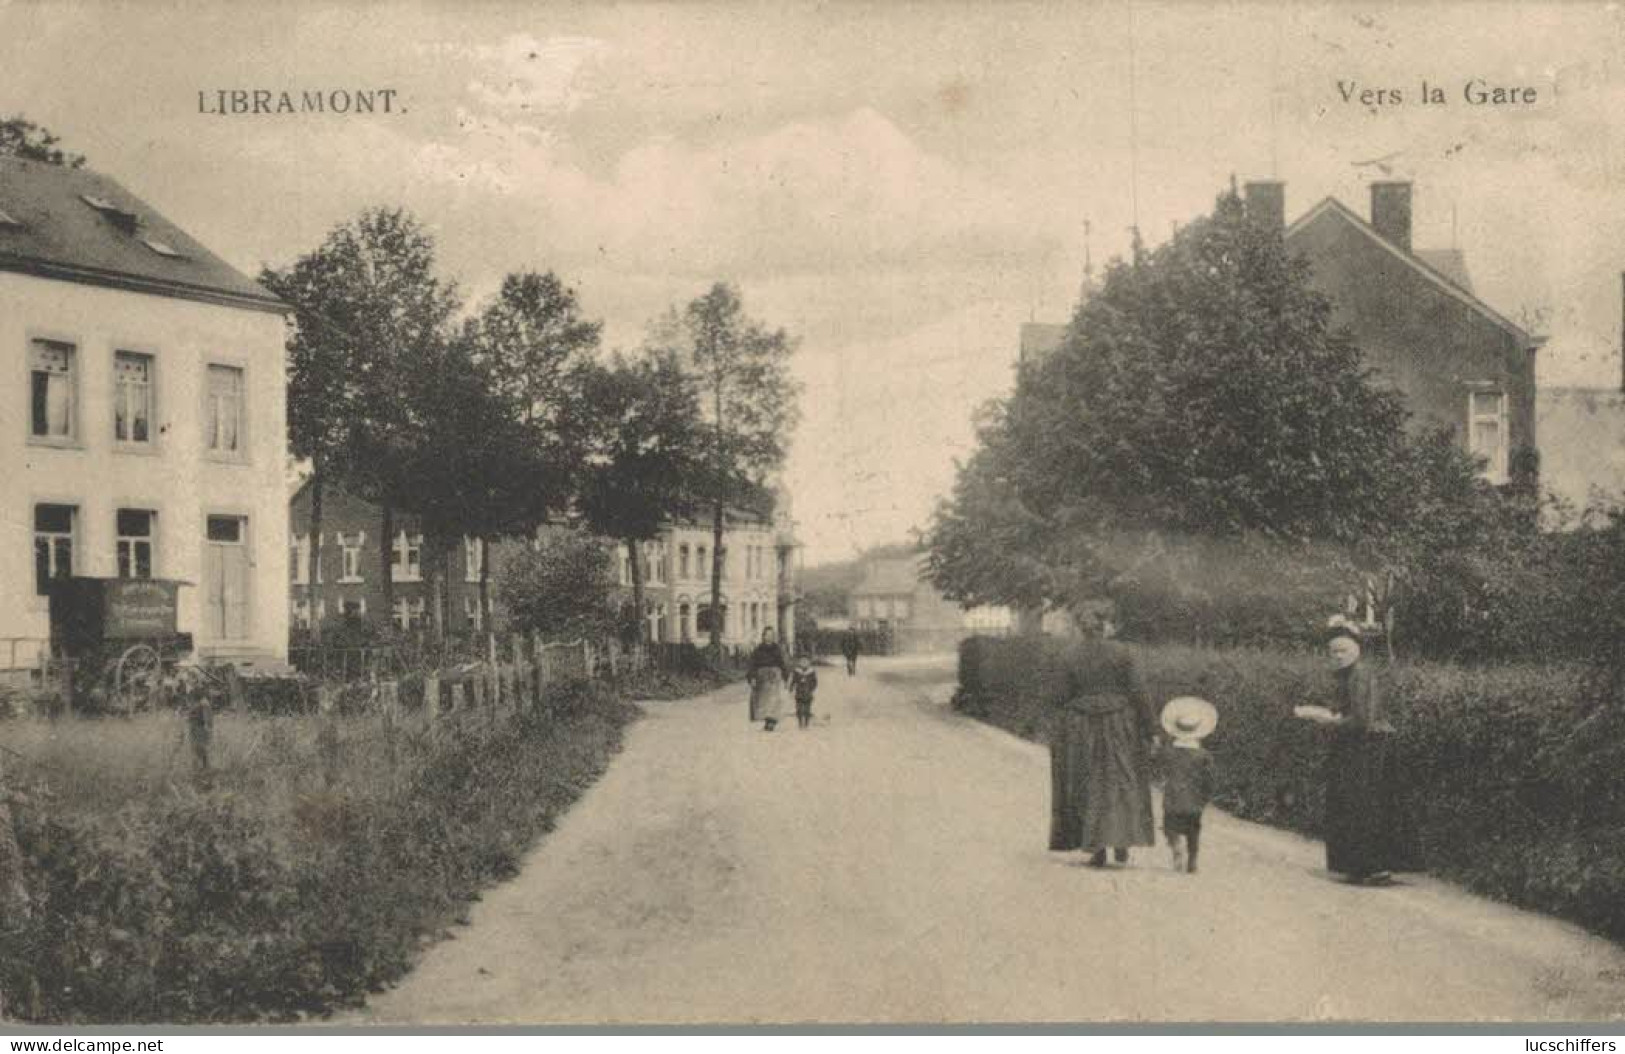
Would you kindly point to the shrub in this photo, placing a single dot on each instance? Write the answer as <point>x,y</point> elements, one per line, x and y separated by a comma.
<point>222,905</point>
<point>1514,787</point>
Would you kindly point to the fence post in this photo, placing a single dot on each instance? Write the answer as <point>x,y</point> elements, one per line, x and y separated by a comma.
<point>200,731</point>
<point>431,698</point>
<point>389,707</point>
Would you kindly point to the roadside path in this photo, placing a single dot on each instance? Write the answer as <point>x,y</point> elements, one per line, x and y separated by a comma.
<point>888,865</point>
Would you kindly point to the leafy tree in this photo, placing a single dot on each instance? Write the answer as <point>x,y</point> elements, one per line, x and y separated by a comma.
<point>564,589</point>
<point>747,399</point>
<point>1201,430</point>
<point>527,341</point>
<point>20,137</point>
<point>644,450</point>
<point>370,315</point>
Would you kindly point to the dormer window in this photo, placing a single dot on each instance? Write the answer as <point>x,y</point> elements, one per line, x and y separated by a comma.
<point>162,248</point>
<point>123,219</point>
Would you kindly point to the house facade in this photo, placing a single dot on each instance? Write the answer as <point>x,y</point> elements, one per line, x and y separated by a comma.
<point>1460,364</point>
<point>144,425</point>
<point>895,597</point>
<point>758,582</point>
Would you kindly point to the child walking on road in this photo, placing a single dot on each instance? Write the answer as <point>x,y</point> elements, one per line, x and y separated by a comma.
<point>804,683</point>
<point>1189,784</point>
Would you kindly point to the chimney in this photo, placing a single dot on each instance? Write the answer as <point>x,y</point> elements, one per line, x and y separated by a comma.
<point>1391,212</point>
<point>1266,204</point>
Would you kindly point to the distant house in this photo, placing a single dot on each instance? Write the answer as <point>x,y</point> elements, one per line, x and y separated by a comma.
<point>142,422</point>
<point>758,573</point>
<point>1459,363</point>
<point>895,597</point>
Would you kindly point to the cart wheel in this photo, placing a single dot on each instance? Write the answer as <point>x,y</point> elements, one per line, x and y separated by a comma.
<point>137,671</point>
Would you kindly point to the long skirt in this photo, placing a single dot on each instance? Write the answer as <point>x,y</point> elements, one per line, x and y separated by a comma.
<point>1066,782</point>
<point>1100,786</point>
<point>1366,829</point>
<point>767,697</point>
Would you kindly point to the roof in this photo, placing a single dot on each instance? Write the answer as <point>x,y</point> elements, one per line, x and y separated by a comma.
<point>76,225</point>
<point>1582,443</point>
<point>1419,263</point>
<point>890,576</point>
<point>1452,263</point>
<point>1040,338</point>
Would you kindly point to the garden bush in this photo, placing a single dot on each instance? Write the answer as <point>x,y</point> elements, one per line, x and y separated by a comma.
<point>216,905</point>
<point>1514,772</point>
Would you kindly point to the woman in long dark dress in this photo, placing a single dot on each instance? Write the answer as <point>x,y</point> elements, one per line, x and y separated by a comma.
<point>1100,742</point>
<point>1364,821</point>
<point>767,674</point>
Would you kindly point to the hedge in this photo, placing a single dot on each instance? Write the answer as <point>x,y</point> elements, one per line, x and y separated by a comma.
<point>1516,777</point>
<point>206,905</point>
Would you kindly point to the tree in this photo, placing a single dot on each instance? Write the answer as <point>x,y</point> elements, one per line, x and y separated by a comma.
<point>644,451</point>
<point>985,546</point>
<point>748,403</point>
<point>1202,426</point>
<point>20,137</point>
<point>528,340</point>
<point>369,315</point>
<point>564,589</point>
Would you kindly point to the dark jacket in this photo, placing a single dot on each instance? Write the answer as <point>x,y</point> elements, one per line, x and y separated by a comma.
<point>1189,784</point>
<point>849,644</point>
<point>1359,700</point>
<point>767,656</point>
<point>804,684</point>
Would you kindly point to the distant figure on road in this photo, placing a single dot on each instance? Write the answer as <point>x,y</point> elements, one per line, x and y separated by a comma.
<point>767,673</point>
<point>1188,783</point>
<point>849,648</point>
<point>804,685</point>
<point>1364,834</point>
<point>1099,753</point>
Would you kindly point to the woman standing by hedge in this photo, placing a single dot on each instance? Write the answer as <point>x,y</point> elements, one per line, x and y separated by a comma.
<point>1364,840</point>
<point>1100,743</point>
<point>767,673</point>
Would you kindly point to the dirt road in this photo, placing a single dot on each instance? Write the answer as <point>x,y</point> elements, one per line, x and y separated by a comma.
<point>889,865</point>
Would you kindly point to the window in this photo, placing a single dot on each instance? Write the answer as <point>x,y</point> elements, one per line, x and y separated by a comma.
<point>353,607</point>
<point>626,569</point>
<point>135,543</point>
<point>701,564</point>
<point>162,248</point>
<point>722,562</point>
<point>473,558</point>
<point>53,544</point>
<point>473,611</point>
<point>350,549</point>
<point>1487,432</point>
<point>51,388</point>
<point>900,608</point>
<point>132,397</point>
<point>223,414</point>
<point>408,613</point>
<point>301,614</point>
<point>407,557</point>
<point>682,561</point>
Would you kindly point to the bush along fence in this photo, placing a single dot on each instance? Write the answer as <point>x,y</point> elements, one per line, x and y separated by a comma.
<point>1514,772</point>
<point>272,860</point>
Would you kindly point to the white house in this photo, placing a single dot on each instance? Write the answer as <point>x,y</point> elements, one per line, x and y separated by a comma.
<point>143,431</point>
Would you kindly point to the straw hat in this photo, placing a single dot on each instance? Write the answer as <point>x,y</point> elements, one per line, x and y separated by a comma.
<point>1188,717</point>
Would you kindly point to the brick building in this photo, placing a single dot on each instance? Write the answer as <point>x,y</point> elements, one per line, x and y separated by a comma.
<point>758,583</point>
<point>1413,312</point>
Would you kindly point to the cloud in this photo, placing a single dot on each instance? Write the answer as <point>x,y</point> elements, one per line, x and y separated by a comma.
<point>524,74</point>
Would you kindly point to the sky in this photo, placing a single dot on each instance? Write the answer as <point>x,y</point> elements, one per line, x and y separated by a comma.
<point>900,185</point>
